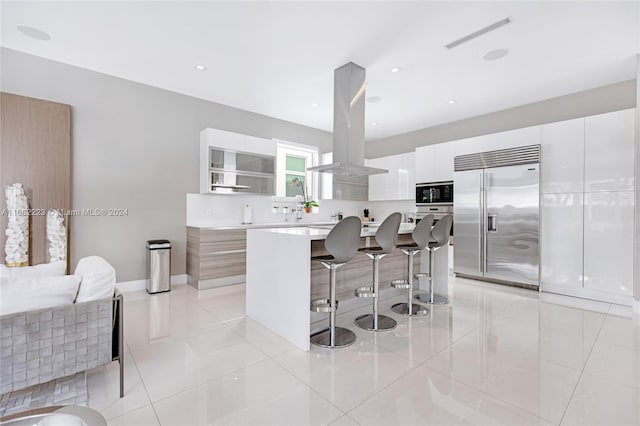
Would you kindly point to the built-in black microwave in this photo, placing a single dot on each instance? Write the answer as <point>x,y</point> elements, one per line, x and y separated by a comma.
<point>434,193</point>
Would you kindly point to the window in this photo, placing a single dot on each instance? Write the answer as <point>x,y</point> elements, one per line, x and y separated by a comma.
<point>292,175</point>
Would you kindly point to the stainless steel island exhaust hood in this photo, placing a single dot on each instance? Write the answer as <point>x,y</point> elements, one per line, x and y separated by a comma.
<point>348,124</point>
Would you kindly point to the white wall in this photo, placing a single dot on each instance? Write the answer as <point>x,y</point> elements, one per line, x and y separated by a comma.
<point>134,147</point>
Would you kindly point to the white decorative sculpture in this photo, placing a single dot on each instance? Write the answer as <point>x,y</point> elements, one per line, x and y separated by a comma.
<point>56,236</point>
<point>16,248</point>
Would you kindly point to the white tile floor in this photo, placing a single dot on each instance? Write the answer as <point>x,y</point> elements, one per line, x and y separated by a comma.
<point>494,355</point>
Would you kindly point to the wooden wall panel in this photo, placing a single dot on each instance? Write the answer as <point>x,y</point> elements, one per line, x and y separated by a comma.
<point>35,150</point>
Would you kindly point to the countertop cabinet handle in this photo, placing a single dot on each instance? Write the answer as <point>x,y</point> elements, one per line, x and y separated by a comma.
<point>229,252</point>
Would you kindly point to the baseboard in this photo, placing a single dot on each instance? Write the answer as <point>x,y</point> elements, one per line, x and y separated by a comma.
<point>137,285</point>
<point>584,293</point>
<point>178,279</point>
<point>216,282</point>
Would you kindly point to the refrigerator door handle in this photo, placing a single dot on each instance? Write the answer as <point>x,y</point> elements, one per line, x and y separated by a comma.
<point>492,222</point>
<point>482,229</point>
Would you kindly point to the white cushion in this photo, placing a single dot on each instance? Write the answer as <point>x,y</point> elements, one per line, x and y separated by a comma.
<point>98,279</point>
<point>28,294</point>
<point>53,269</point>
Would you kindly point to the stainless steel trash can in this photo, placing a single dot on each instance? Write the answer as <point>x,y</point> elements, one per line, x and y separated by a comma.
<point>158,266</point>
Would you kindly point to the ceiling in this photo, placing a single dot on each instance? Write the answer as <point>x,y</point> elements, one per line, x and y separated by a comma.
<point>277,58</point>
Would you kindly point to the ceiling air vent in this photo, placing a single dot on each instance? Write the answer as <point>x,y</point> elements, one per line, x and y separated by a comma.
<point>478,33</point>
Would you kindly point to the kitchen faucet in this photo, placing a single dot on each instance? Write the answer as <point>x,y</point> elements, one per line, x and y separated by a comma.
<point>297,211</point>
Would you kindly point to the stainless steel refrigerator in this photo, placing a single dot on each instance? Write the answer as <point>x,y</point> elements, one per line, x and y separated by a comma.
<point>496,209</point>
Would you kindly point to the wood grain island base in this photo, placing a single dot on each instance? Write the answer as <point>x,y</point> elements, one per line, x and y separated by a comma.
<point>358,271</point>
<point>281,278</point>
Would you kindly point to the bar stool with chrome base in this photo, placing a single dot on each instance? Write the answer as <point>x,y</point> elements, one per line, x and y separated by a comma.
<point>421,234</point>
<point>386,238</point>
<point>440,234</point>
<point>342,244</point>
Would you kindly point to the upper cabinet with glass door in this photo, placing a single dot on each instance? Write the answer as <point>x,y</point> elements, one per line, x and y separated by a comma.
<point>234,163</point>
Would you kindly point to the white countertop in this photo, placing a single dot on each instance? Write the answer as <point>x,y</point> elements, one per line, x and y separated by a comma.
<point>311,233</point>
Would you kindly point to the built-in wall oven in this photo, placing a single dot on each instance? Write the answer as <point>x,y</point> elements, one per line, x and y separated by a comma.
<point>434,193</point>
<point>438,213</point>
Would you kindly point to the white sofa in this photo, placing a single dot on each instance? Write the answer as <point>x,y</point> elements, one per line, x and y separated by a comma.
<point>53,325</point>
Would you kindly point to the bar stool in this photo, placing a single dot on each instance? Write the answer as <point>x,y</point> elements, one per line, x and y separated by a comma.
<point>421,234</point>
<point>342,243</point>
<point>440,234</point>
<point>386,238</point>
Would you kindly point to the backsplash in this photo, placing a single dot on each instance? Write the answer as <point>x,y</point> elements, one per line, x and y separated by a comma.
<point>219,209</point>
<point>381,209</point>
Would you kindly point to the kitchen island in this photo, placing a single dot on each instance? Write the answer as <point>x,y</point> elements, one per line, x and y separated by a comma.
<point>281,278</point>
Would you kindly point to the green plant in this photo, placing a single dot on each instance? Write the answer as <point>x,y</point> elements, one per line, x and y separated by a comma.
<point>306,203</point>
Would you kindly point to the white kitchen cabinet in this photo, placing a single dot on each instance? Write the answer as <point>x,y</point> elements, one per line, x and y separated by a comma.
<point>398,184</point>
<point>608,241</point>
<point>609,151</point>
<point>561,240</point>
<point>563,156</point>
<point>424,163</point>
<point>235,147</point>
<point>443,154</point>
<point>237,142</point>
<point>434,163</point>
<point>406,181</point>
<point>494,141</point>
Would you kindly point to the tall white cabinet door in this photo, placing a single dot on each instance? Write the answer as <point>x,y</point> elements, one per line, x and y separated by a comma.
<point>561,243</point>
<point>443,154</point>
<point>406,181</point>
<point>424,163</point>
<point>563,156</point>
<point>609,151</point>
<point>608,241</point>
<point>434,163</point>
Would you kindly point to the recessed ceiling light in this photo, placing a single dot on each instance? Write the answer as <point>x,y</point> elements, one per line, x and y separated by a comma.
<point>374,99</point>
<point>495,54</point>
<point>396,69</point>
<point>200,67</point>
<point>451,101</point>
<point>314,105</point>
<point>33,32</point>
<point>374,124</point>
